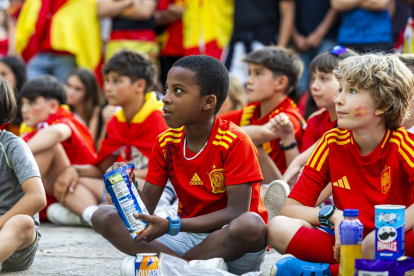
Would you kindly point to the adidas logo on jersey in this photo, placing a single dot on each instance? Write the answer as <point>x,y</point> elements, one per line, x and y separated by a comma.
<point>196,180</point>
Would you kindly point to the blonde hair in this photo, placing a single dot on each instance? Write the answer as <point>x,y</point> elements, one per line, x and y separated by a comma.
<point>237,93</point>
<point>408,60</point>
<point>390,82</point>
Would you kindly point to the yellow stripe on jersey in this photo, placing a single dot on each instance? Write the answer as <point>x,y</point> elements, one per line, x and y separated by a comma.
<point>228,132</point>
<point>405,146</point>
<point>173,134</point>
<point>221,143</point>
<point>169,139</point>
<point>407,159</point>
<point>323,144</point>
<point>346,183</point>
<point>322,160</point>
<point>218,137</point>
<point>408,139</point>
<point>247,114</point>
<point>386,138</point>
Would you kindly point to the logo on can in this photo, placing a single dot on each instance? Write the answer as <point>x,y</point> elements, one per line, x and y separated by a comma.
<point>389,231</point>
<point>146,264</point>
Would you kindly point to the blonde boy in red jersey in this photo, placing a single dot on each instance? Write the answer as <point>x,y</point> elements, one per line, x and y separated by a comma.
<point>368,160</point>
<point>213,166</point>
<point>273,74</point>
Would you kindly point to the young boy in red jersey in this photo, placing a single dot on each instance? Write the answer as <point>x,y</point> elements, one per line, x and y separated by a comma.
<point>213,166</point>
<point>130,134</point>
<point>367,159</point>
<point>53,133</point>
<point>323,91</point>
<point>273,74</point>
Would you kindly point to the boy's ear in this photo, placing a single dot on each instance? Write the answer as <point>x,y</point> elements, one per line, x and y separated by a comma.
<point>210,102</point>
<point>54,106</point>
<point>379,112</point>
<point>140,85</point>
<point>281,82</point>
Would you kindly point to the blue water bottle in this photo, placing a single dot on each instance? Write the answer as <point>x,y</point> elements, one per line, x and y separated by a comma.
<point>350,231</point>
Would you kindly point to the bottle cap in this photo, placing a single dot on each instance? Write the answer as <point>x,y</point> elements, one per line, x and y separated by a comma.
<point>351,213</point>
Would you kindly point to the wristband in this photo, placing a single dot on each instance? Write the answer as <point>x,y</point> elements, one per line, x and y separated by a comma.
<point>288,147</point>
<point>175,225</point>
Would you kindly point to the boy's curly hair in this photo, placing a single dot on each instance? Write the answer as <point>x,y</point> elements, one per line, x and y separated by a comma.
<point>281,61</point>
<point>390,82</point>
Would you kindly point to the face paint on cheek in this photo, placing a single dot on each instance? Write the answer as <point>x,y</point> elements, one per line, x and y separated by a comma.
<point>361,111</point>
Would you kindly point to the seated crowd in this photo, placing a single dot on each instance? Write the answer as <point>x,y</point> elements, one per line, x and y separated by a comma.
<point>223,171</point>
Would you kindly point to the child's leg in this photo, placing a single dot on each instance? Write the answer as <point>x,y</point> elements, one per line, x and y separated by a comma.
<point>17,234</point>
<point>51,164</point>
<point>245,234</point>
<point>107,222</point>
<point>89,191</point>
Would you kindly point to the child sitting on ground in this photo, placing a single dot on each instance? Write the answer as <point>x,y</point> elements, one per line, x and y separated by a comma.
<point>21,193</point>
<point>367,158</point>
<point>212,165</point>
<point>273,74</point>
<point>131,133</point>
<point>323,91</point>
<point>56,137</point>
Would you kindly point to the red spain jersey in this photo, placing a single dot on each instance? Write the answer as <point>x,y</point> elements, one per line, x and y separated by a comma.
<point>385,176</point>
<point>229,158</point>
<point>79,147</point>
<point>134,140</point>
<point>250,115</point>
<point>317,124</point>
<point>171,39</point>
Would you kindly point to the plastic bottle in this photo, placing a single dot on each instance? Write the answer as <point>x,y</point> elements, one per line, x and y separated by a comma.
<point>351,231</point>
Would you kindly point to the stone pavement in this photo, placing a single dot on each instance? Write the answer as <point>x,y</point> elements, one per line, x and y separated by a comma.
<point>80,251</point>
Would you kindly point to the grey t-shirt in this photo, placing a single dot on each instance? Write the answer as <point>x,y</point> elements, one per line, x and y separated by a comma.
<point>17,164</point>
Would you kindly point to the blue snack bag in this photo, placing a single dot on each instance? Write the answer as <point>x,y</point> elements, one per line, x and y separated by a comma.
<point>125,198</point>
<point>384,267</point>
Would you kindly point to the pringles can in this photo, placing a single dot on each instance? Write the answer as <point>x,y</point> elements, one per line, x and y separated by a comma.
<point>389,231</point>
<point>146,264</point>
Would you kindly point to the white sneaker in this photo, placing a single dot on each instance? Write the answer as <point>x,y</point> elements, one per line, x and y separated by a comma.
<point>275,196</point>
<point>165,209</point>
<point>217,263</point>
<point>128,266</point>
<point>59,214</point>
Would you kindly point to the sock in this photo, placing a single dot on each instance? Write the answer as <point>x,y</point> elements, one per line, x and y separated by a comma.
<point>312,245</point>
<point>88,212</point>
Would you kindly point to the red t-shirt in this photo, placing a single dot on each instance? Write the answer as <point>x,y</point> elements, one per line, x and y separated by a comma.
<point>136,138</point>
<point>79,147</point>
<point>250,115</point>
<point>385,176</point>
<point>318,123</point>
<point>229,158</point>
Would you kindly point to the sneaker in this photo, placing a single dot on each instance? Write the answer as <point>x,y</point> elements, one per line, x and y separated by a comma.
<point>215,263</point>
<point>287,265</point>
<point>275,196</point>
<point>128,266</point>
<point>165,209</point>
<point>59,214</point>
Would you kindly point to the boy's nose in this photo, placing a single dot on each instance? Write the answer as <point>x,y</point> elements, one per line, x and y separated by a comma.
<point>166,100</point>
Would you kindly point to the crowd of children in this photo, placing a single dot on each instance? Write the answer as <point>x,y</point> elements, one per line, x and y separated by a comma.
<point>212,170</point>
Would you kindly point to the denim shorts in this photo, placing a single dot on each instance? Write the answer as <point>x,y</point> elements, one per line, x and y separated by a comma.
<point>23,259</point>
<point>184,241</point>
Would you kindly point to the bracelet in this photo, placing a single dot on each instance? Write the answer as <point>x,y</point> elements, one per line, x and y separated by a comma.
<point>288,147</point>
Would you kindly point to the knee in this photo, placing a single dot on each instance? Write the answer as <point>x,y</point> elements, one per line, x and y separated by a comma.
<point>278,229</point>
<point>22,225</point>
<point>368,246</point>
<point>102,217</point>
<point>248,227</point>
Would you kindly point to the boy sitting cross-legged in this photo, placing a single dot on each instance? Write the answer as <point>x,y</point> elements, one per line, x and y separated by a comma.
<point>213,167</point>
<point>368,159</point>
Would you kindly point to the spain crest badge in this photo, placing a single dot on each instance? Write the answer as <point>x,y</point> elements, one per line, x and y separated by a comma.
<point>218,182</point>
<point>385,180</point>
